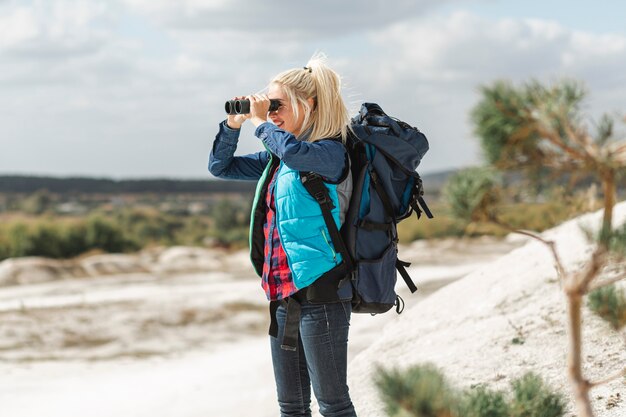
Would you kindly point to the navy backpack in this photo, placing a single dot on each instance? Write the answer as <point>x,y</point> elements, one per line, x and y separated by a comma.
<point>384,153</point>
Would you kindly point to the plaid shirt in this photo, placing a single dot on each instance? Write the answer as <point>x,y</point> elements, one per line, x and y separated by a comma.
<point>276,279</point>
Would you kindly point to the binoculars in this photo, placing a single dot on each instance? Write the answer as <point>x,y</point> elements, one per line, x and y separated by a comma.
<point>243,106</point>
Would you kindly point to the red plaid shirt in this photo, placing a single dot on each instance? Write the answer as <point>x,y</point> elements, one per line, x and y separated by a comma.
<point>276,279</point>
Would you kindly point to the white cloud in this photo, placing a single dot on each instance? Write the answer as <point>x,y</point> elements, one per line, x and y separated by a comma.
<point>427,71</point>
<point>467,47</point>
<point>283,18</point>
<point>51,29</point>
<point>16,27</point>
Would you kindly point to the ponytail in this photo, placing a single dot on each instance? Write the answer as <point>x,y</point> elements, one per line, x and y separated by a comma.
<point>328,117</point>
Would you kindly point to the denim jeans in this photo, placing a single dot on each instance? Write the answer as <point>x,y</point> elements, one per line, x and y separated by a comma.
<point>320,360</point>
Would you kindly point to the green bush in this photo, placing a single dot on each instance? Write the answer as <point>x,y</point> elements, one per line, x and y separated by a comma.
<point>483,402</point>
<point>194,232</point>
<point>531,398</point>
<point>54,239</point>
<point>617,241</point>
<point>422,391</point>
<point>46,240</point>
<point>5,248</point>
<point>19,240</point>
<point>473,193</point>
<point>75,239</point>
<point>104,234</point>
<point>444,224</point>
<point>232,238</point>
<point>610,304</point>
<point>146,226</point>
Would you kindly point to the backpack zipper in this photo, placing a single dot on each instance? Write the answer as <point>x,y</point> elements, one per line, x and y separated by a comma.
<point>329,245</point>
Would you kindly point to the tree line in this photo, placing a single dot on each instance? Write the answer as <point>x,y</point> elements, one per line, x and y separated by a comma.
<point>85,185</point>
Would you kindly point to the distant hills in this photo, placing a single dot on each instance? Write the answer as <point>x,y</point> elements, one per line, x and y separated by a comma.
<point>87,185</point>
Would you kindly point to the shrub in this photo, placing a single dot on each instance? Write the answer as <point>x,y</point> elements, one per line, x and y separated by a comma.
<point>609,304</point>
<point>482,402</point>
<point>46,240</point>
<point>420,391</point>
<point>617,241</point>
<point>105,235</point>
<point>472,193</point>
<point>75,239</point>
<point>531,398</point>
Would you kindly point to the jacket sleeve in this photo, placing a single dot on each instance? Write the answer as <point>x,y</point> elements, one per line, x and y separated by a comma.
<point>326,158</point>
<point>223,163</point>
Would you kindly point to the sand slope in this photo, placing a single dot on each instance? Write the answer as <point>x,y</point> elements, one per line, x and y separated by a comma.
<point>467,327</point>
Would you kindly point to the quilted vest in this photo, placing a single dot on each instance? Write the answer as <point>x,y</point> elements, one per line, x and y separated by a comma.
<point>301,227</point>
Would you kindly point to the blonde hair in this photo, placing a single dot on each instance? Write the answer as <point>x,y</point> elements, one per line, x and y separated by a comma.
<point>328,118</point>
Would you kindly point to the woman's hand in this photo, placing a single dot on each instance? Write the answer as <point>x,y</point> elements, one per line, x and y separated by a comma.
<point>234,121</point>
<point>259,107</point>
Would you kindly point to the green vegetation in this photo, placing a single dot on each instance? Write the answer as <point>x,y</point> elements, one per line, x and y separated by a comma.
<point>609,303</point>
<point>120,230</point>
<point>540,131</point>
<point>531,398</point>
<point>224,223</point>
<point>541,215</point>
<point>423,391</point>
<point>58,239</point>
<point>483,402</point>
<point>472,193</point>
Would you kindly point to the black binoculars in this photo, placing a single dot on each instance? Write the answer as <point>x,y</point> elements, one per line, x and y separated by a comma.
<point>243,106</point>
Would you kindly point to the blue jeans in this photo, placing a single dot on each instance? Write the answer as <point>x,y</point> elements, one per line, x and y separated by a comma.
<point>321,360</point>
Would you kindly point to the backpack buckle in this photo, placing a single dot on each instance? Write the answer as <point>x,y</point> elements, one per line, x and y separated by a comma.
<point>320,196</point>
<point>323,198</point>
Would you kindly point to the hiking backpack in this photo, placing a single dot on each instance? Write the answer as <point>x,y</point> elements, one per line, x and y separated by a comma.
<point>384,153</point>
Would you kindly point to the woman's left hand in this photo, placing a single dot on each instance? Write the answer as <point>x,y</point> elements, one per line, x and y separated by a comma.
<point>259,107</point>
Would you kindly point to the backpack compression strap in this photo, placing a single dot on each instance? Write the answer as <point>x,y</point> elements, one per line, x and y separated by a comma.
<point>417,200</point>
<point>401,267</point>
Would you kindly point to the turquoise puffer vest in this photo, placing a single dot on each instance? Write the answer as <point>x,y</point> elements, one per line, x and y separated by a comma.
<point>301,227</point>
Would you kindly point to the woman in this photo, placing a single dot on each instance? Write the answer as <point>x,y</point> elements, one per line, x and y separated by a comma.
<point>302,273</point>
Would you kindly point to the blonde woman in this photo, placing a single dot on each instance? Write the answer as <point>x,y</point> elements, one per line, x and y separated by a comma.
<point>301,272</point>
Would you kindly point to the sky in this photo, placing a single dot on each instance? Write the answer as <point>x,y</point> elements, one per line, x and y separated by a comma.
<point>136,88</point>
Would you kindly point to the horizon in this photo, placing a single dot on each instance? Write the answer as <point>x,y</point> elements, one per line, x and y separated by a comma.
<point>209,177</point>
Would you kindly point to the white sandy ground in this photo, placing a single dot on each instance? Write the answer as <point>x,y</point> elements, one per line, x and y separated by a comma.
<point>159,345</point>
<point>466,328</point>
<point>194,344</point>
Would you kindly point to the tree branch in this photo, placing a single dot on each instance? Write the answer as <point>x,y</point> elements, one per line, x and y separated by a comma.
<point>606,282</point>
<point>549,243</point>
<point>581,139</point>
<point>555,139</point>
<point>598,260</point>
<point>608,379</point>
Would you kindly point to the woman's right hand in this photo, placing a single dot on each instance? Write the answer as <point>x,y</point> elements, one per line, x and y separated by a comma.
<point>235,121</point>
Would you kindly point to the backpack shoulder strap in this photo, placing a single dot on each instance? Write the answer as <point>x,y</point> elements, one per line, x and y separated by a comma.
<point>315,186</point>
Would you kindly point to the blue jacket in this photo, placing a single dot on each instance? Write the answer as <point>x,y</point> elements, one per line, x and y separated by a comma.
<point>326,158</point>
<point>300,224</point>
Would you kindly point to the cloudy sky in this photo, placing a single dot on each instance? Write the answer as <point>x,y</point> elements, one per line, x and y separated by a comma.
<point>135,88</point>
